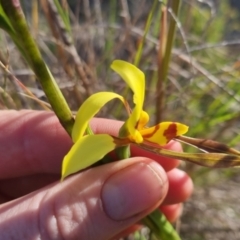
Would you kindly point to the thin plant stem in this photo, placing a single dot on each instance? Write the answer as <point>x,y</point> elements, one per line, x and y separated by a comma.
<point>164,60</point>
<point>146,30</point>
<point>33,57</point>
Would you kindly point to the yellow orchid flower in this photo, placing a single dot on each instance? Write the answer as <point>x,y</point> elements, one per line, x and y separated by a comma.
<point>88,149</point>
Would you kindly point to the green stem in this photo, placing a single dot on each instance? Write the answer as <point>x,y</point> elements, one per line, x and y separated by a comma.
<point>146,30</point>
<point>159,225</point>
<point>13,11</point>
<point>165,49</point>
<point>123,152</point>
<point>170,37</point>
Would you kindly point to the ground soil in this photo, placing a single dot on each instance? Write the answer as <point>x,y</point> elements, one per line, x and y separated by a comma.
<point>213,212</point>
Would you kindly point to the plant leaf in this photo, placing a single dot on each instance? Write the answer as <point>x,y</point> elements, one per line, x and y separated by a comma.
<point>4,22</point>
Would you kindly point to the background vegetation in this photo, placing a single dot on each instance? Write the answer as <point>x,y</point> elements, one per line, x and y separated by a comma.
<point>80,41</point>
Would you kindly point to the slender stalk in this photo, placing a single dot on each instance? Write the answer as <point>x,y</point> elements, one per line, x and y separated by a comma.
<point>164,60</point>
<point>146,30</point>
<point>160,227</point>
<point>161,57</point>
<point>170,38</point>
<point>13,10</point>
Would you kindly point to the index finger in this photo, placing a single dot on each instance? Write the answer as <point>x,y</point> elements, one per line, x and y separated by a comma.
<point>31,142</point>
<point>34,142</point>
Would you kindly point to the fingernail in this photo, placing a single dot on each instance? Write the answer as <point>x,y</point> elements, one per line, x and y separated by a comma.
<point>133,189</point>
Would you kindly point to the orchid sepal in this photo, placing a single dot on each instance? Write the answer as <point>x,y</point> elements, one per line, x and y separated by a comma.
<point>89,109</point>
<point>86,151</point>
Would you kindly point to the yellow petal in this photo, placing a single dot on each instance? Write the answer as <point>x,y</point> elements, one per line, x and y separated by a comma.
<point>135,79</point>
<point>134,136</point>
<point>88,109</point>
<point>163,132</point>
<point>144,118</point>
<point>86,151</point>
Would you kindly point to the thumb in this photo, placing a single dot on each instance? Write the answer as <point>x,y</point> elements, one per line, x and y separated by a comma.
<point>98,203</point>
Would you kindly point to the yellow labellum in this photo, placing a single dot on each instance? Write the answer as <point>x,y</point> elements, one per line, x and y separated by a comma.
<point>162,133</point>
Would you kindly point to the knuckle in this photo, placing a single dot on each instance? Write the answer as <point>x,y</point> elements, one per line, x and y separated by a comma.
<point>64,218</point>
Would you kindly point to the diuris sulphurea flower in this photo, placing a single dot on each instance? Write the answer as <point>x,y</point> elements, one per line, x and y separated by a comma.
<point>136,131</point>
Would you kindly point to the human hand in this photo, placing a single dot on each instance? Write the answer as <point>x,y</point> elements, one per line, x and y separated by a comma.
<point>98,203</point>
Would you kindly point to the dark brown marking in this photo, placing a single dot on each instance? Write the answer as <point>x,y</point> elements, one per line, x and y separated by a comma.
<point>170,132</point>
<point>153,132</point>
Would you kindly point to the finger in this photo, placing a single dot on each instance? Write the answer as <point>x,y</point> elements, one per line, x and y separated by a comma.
<point>127,231</point>
<point>167,163</point>
<point>37,143</point>
<point>95,204</point>
<point>16,187</point>
<point>31,142</point>
<point>180,187</point>
<point>172,212</point>
<point>108,126</point>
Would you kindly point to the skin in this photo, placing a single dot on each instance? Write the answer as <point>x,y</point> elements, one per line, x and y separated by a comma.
<point>104,202</point>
